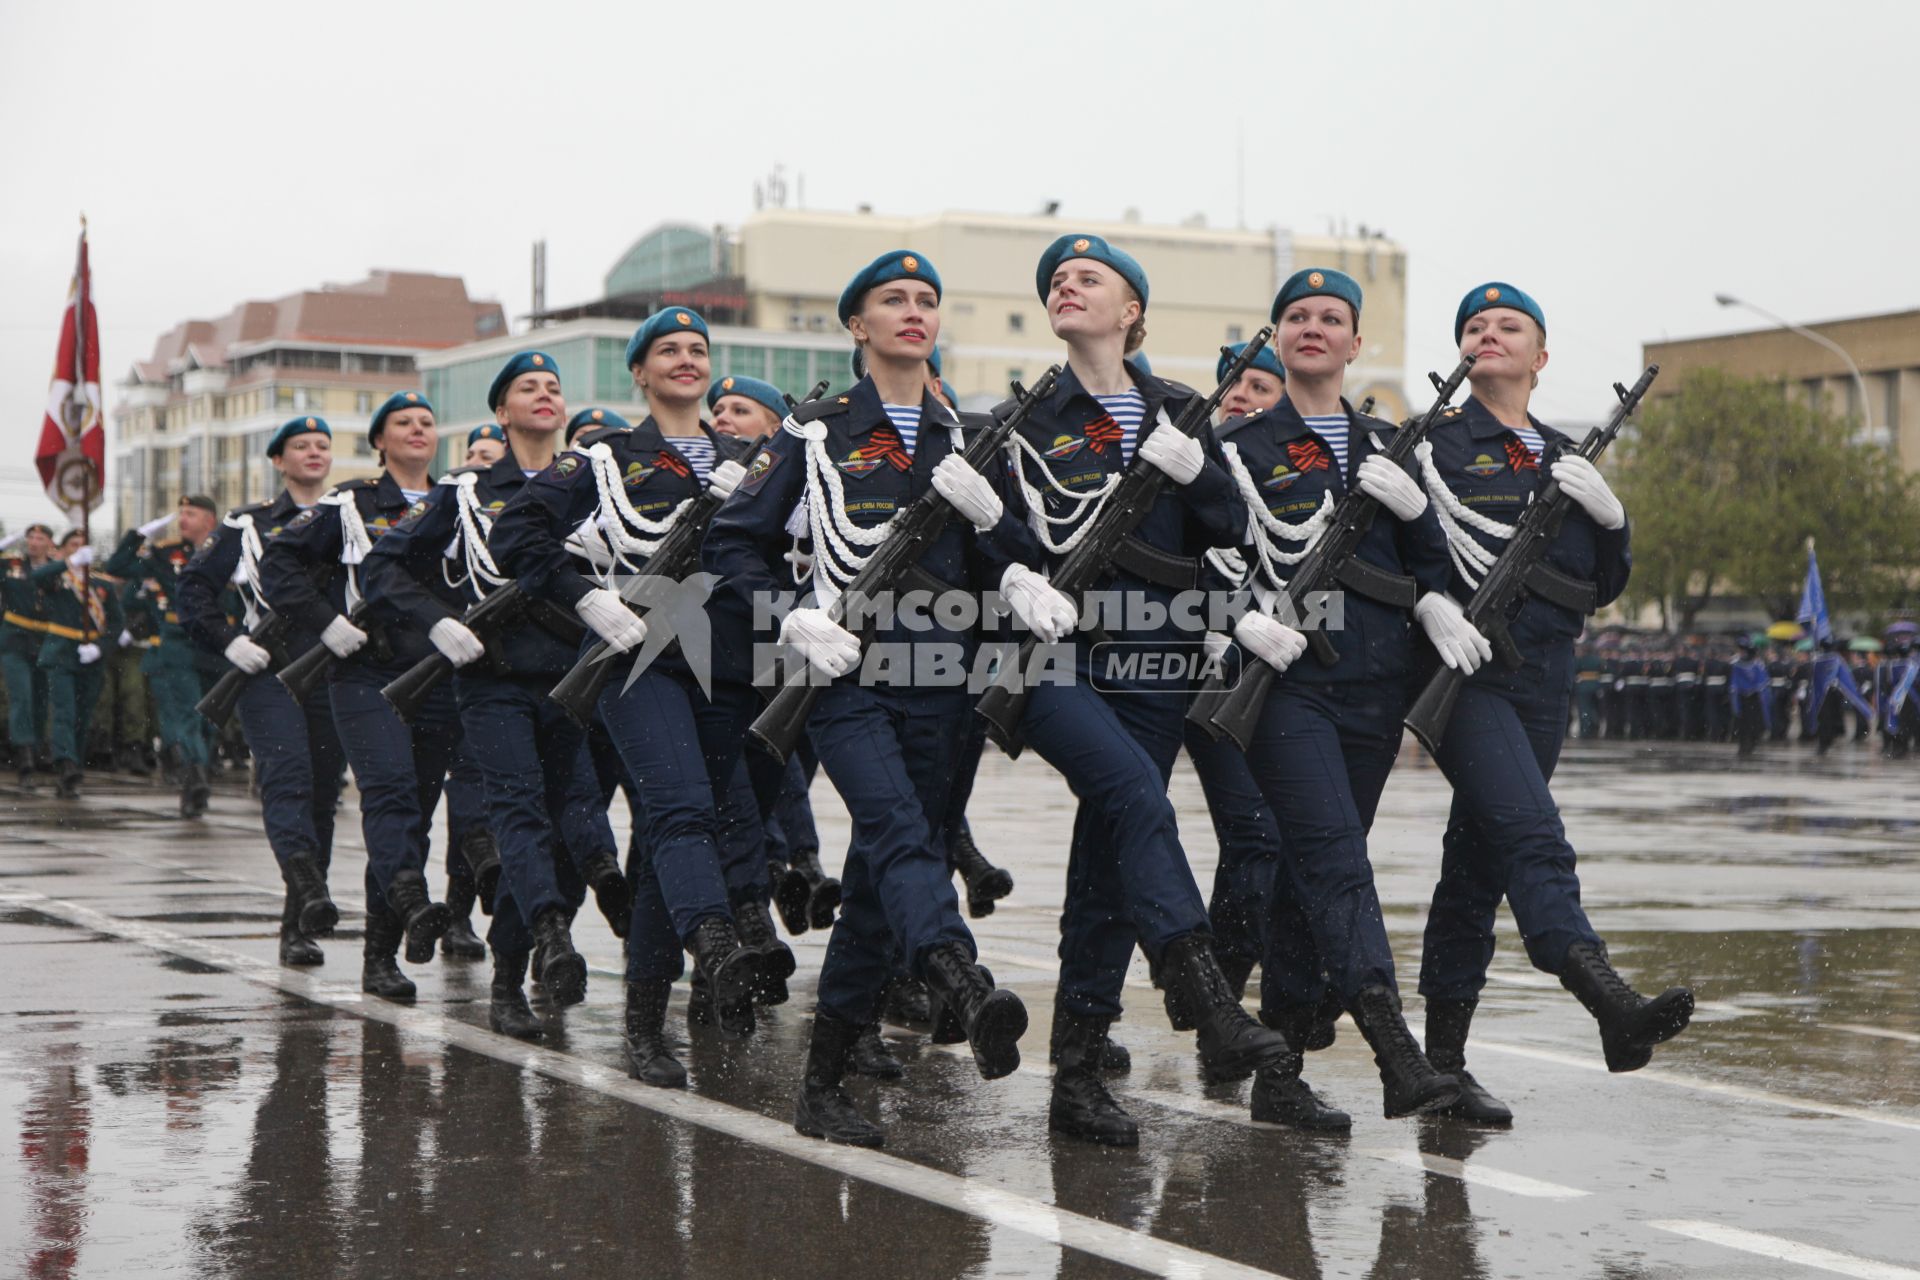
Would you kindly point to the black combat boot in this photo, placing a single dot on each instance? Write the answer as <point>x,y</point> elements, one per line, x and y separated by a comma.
<point>1447,1023</point>
<point>1179,1017</point>
<point>482,853</point>
<point>1280,1096</point>
<point>307,885</point>
<point>1114,1059</point>
<point>967,1007</point>
<point>379,975</point>
<point>1232,1045</point>
<point>196,789</point>
<point>824,1109</point>
<point>561,970</point>
<point>732,970</point>
<point>823,891</point>
<point>904,1002</point>
<point>424,919</point>
<point>1410,1084</point>
<point>755,927</point>
<point>1081,1107</point>
<point>1237,969</point>
<point>296,948</point>
<point>23,766</point>
<point>610,891</point>
<point>1630,1024</point>
<point>871,1057</point>
<point>1307,1027</point>
<point>507,1008</point>
<point>173,766</point>
<point>986,883</point>
<point>648,1052</point>
<point>790,894</point>
<point>460,942</point>
<point>67,784</point>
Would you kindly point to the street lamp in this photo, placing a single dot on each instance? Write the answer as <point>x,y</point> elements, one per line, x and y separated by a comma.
<point>1859,383</point>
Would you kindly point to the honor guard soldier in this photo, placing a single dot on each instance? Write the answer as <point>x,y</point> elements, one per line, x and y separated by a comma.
<point>1328,735</point>
<point>82,616</point>
<point>21,631</point>
<point>1114,736</point>
<point>679,741</point>
<point>745,408</point>
<point>1715,667</point>
<point>486,445</point>
<point>1504,836</point>
<point>542,799</point>
<point>1750,697</point>
<point>297,757</point>
<point>1589,673</point>
<point>167,655</point>
<point>1898,711</point>
<point>824,493</point>
<point>311,575</point>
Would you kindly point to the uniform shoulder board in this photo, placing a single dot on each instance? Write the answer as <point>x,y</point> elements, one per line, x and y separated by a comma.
<point>974,423</point>
<point>824,407</point>
<point>1368,422</point>
<point>252,508</point>
<point>364,482</point>
<point>585,439</point>
<point>1232,425</point>
<point>1177,389</point>
<point>477,469</point>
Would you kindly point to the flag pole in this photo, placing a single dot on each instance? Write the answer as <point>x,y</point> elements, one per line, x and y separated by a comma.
<point>80,381</point>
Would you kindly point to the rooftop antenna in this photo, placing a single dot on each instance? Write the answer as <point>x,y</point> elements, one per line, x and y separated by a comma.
<point>539,277</point>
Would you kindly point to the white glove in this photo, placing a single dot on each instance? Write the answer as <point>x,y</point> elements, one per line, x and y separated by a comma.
<point>1585,486</point>
<point>968,491</point>
<point>1216,645</point>
<point>452,637</point>
<point>1391,487</point>
<point>342,637</point>
<point>81,558</point>
<point>89,654</point>
<point>828,647</point>
<point>126,639</point>
<point>1274,643</point>
<point>1044,608</point>
<point>1175,453</point>
<point>1459,642</point>
<point>611,620</point>
<point>152,527</point>
<point>725,478</point>
<point>248,656</point>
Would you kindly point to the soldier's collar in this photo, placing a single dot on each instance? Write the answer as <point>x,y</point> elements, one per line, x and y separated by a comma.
<point>1484,426</point>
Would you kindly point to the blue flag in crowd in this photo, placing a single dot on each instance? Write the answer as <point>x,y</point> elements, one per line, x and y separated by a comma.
<point>1813,601</point>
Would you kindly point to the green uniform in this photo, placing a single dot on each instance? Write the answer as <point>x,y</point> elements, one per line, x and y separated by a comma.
<point>167,656</point>
<point>73,619</point>
<point>125,728</point>
<point>22,625</point>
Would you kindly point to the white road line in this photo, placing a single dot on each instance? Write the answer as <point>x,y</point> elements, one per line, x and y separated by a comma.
<point>1775,1247</point>
<point>1518,1184</point>
<point>1892,1119</point>
<point>970,1196</point>
<point>1859,1029</point>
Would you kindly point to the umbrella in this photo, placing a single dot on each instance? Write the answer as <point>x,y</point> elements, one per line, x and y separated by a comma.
<point>1904,627</point>
<point>1863,644</point>
<point>1785,631</point>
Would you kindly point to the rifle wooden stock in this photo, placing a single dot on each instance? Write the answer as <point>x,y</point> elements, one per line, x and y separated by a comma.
<point>485,618</point>
<point>1507,578</point>
<point>1235,712</point>
<point>1004,705</point>
<point>777,729</point>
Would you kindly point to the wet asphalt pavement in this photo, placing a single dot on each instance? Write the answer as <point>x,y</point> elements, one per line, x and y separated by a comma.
<point>174,1102</point>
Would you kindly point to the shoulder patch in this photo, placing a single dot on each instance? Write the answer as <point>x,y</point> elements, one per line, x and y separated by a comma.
<point>418,509</point>
<point>304,519</point>
<point>567,464</point>
<point>757,473</point>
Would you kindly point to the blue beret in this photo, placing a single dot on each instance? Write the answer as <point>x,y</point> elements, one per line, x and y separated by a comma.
<point>486,431</point>
<point>296,427</point>
<point>1071,246</point>
<point>590,419</point>
<point>1496,293</point>
<point>1139,361</point>
<point>1317,282</point>
<point>524,362</point>
<point>900,264</point>
<point>1266,362</point>
<point>661,323</point>
<point>753,389</point>
<point>398,400</point>
<point>933,361</point>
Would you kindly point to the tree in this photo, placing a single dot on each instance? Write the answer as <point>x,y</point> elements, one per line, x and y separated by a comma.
<point>1726,480</point>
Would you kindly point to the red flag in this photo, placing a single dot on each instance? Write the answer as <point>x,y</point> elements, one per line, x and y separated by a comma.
<point>72,456</point>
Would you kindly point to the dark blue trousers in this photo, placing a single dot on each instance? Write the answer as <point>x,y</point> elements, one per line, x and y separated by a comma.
<point>1321,755</point>
<point>1243,878</point>
<point>399,768</point>
<point>1128,880</point>
<point>788,818</point>
<point>1504,834</point>
<point>297,752</point>
<point>743,838</point>
<point>466,797</point>
<point>890,755</point>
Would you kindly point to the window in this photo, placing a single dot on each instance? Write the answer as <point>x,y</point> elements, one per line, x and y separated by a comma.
<point>363,402</point>
<point>283,397</point>
<point>790,370</point>
<point>1234,333</point>
<point>1016,323</point>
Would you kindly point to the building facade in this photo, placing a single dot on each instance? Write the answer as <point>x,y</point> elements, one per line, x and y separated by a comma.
<point>196,416</point>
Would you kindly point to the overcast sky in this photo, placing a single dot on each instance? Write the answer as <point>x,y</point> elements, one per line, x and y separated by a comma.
<point>1623,162</point>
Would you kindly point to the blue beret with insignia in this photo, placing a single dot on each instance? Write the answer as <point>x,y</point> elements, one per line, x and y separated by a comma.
<point>394,403</point>
<point>524,362</point>
<point>486,431</point>
<point>1317,282</point>
<point>1496,293</point>
<point>659,325</point>
<point>1266,362</point>
<point>593,420</point>
<point>752,388</point>
<point>296,427</point>
<point>1068,247</point>
<point>900,264</point>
